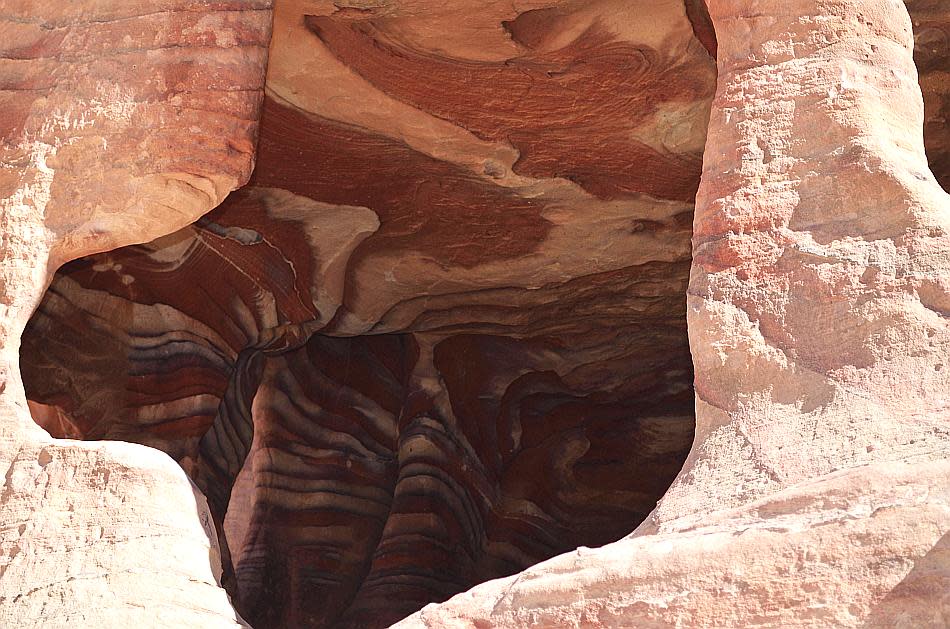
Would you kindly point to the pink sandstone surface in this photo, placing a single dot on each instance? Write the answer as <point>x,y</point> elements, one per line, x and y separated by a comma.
<point>508,283</point>
<point>817,311</point>
<point>121,122</point>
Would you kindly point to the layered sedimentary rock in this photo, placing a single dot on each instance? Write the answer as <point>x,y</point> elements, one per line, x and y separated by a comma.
<point>441,334</point>
<point>816,493</point>
<point>119,122</point>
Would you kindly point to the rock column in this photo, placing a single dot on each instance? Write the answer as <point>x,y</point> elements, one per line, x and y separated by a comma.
<point>820,290</point>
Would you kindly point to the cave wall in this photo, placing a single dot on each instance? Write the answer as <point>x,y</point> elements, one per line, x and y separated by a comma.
<point>440,336</point>
<point>493,289</point>
<point>816,492</point>
<point>931,24</point>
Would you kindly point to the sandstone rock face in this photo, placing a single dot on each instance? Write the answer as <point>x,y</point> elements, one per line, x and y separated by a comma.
<point>843,305</point>
<point>441,335</point>
<point>818,324</point>
<point>120,122</point>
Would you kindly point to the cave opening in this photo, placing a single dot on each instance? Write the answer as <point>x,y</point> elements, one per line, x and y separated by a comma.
<point>353,479</point>
<point>440,336</point>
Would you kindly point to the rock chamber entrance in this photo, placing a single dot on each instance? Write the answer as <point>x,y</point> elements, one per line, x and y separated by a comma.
<point>441,334</point>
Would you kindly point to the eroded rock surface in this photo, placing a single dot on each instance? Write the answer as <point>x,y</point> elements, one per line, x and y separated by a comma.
<point>818,324</point>
<point>119,122</point>
<point>441,335</point>
<point>485,240</point>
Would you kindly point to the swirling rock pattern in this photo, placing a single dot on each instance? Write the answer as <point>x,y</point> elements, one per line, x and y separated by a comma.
<point>441,335</point>
<point>816,494</point>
